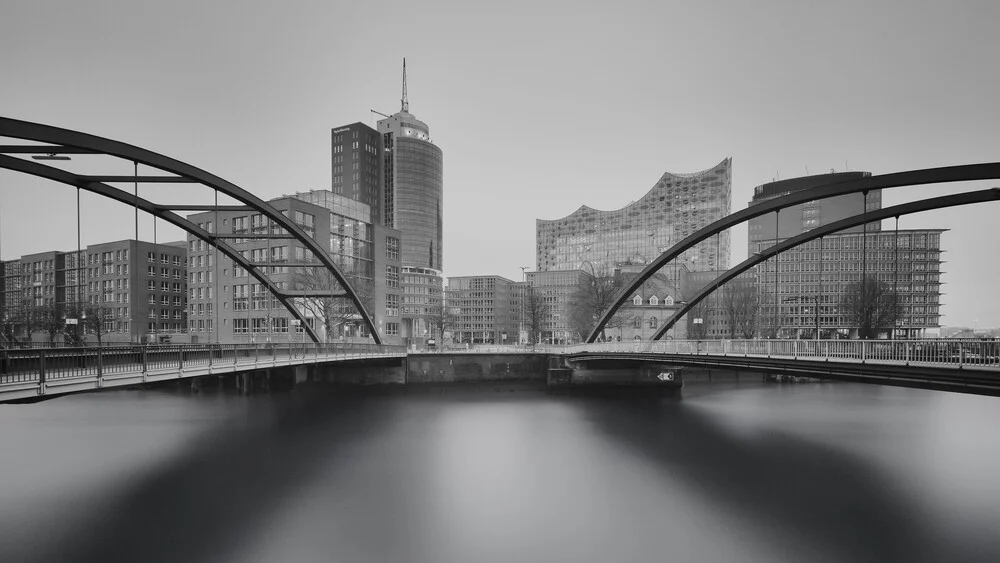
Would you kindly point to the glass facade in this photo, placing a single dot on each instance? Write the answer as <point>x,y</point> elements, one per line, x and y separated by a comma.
<point>412,203</point>
<point>677,206</point>
<point>804,217</point>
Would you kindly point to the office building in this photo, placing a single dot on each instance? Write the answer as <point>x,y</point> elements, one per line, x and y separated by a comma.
<point>813,278</point>
<point>356,161</point>
<point>228,305</point>
<point>675,207</point>
<point>555,288</point>
<point>487,309</point>
<point>131,291</point>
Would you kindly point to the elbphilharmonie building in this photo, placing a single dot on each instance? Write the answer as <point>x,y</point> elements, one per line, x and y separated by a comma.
<point>676,206</point>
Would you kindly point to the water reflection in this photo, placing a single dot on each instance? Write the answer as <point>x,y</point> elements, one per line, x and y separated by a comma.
<point>728,473</point>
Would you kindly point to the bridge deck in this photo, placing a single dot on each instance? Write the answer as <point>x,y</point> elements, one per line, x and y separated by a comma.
<point>32,373</point>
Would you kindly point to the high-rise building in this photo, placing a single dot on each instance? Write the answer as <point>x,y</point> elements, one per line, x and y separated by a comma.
<point>224,295</point>
<point>412,200</point>
<point>356,160</point>
<point>806,216</point>
<point>677,206</point>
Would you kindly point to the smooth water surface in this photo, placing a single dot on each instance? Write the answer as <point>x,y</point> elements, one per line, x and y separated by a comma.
<point>729,472</point>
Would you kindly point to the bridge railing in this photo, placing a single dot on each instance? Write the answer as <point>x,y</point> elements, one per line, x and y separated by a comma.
<point>972,353</point>
<point>26,365</point>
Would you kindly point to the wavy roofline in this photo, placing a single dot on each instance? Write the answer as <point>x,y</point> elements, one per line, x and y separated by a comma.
<point>584,208</point>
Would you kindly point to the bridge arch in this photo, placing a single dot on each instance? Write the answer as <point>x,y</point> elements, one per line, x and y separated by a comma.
<point>65,141</point>
<point>961,173</point>
<point>954,200</point>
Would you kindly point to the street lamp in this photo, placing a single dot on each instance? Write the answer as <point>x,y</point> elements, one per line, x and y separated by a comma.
<point>524,293</point>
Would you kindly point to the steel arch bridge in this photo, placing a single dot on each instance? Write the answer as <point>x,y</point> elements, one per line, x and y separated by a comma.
<point>58,141</point>
<point>965,198</point>
<point>962,173</point>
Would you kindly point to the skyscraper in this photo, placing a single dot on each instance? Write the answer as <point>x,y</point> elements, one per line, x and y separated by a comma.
<point>411,203</point>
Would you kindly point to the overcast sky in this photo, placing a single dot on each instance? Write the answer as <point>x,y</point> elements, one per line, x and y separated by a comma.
<point>539,107</point>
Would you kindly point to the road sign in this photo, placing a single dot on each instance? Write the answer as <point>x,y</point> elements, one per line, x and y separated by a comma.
<point>665,376</point>
<point>71,321</point>
<point>296,322</point>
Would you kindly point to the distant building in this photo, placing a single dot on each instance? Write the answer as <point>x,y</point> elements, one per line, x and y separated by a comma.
<point>677,206</point>
<point>648,307</point>
<point>487,309</point>
<point>556,289</point>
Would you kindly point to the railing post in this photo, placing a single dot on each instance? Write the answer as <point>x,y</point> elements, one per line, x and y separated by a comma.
<point>769,346</point>
<point>41,371</point>
<point>256,353</point>
<point>180,360</point>
<point>100,364</point>
<point>864,350</point>
<point>145,361</point>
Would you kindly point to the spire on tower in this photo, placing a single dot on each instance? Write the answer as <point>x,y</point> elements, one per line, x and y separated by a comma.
<point>405,102</point>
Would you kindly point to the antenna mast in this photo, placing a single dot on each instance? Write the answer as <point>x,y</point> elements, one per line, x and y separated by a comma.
<point>405,103</point>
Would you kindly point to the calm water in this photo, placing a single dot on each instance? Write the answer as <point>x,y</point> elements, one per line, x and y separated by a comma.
<point>812,472</point>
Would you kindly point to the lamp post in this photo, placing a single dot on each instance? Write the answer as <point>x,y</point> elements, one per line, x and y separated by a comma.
<point>524,280</point>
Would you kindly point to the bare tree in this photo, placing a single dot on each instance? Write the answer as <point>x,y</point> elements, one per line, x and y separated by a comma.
<point>591,299</point>
<point>47,319</point>
<point>94,318</point>
<point>331,312</point>
<point>769,315</point>
<point>871,306</point>
<point>742,306</point>
<point>442,318</point>
<point>536,312</point>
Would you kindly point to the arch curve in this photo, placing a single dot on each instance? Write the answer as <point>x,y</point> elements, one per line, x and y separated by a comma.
<point>965,198</point>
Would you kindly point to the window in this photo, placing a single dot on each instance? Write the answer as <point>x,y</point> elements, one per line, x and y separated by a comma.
<point>637,322</point>
<point>637,300</point>
<point>392,329</point>
<point>150,257</point>
<point>392,277</point>
<point>391,305</point>
<point>654,301</point>
<point>240,326</point>
<point>652,322</point>
<point>392,248</point>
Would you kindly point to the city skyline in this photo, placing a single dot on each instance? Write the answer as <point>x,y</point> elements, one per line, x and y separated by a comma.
<point>615,112</point>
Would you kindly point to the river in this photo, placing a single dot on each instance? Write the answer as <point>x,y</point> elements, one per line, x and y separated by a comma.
<point>747,472</point>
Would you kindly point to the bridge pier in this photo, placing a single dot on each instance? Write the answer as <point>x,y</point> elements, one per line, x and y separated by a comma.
<point>604,376</point>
